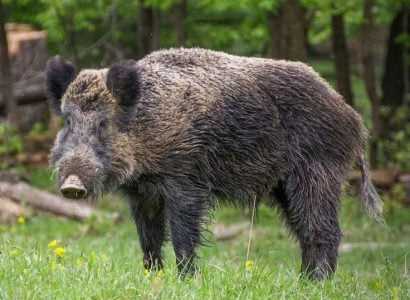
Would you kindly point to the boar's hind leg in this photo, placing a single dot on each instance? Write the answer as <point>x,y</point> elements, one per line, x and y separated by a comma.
<point>149,218</point>
<point>309,201</point>
<point>185,204</point>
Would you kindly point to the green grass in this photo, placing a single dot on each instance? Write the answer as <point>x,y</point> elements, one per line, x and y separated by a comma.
<point>103,261</point>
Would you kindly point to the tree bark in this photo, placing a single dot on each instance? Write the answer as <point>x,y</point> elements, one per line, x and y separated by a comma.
<point>275,23</point>
<point>144,27</point>
<point>396,70</point>
<point>294,20</point>
<point>369,76</point>
<point>287,28</point>
<point>341,53</point>
<point>179,17</point>
<point>156,29</point>
<point>6,80</point>
<point>148,29</point>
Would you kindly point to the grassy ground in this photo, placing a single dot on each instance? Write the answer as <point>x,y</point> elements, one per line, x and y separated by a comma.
<point>102,260</point>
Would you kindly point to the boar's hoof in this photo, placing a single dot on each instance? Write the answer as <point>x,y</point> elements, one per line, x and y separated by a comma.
<point>73,188</point>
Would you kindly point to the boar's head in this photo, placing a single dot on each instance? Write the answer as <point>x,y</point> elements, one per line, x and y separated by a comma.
<point>93,151</point>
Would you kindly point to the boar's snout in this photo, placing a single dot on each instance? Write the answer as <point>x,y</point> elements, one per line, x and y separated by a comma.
<point>73,188</point>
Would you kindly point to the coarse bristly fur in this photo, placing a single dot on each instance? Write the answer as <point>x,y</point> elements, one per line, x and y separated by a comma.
<point>181,127</point>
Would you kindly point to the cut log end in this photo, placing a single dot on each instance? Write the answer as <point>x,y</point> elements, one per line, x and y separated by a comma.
<point>10,211</point>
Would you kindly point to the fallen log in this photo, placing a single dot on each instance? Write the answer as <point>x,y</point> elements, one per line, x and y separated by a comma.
<point>405,180</point>
<point>385,179</point>
<point>224,232</point>
<point>36,158</point>
<point>381,178</point>
<point>370,246</point>
<point>10,210</point>
<point>28,91</point>
<point>23,193</point>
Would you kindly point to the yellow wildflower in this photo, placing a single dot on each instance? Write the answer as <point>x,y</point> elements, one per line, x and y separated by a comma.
<point>146,273</point>
<point>160,274</point>
<point>21,220</point>
<point>249,265</point>
<point>59,251</point>
<point>53,244</point>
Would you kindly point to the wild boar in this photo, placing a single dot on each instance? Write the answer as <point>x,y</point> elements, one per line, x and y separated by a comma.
<point>182,127</point>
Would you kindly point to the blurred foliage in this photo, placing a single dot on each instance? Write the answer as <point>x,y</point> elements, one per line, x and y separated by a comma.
<point>38,128</point>
<point>85,29</point>
<point>10,141</point>
<point>95,33</point>
<point>11,144</point>
<point>396,147</point>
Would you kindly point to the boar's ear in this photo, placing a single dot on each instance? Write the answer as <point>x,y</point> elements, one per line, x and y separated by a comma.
<point>123,81</point>
<point>59,74</point>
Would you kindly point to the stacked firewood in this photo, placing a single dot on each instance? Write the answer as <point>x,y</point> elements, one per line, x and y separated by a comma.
<point>28,56</point>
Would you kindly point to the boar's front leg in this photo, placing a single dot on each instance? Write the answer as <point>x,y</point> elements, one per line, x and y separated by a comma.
<point>186,205</point>
<point>147,210</point>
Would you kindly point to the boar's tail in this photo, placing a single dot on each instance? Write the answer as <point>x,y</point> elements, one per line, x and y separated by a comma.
<point>369,196</point>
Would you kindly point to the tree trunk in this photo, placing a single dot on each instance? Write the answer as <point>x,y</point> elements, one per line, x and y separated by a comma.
<point>156,29</point>
<point>369,76</point>
<point>275,23</point>
<point>396,70</point>
<point>309,16</point>
<point>148,29</point>
<point>144,28</point>
<point>341,53</point>
<point>179,17</point>
<point>294,34</point>
<point>6,80</point>
<point>288,30</point>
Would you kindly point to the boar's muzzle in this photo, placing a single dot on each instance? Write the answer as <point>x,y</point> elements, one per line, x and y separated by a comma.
<point>73,188</point>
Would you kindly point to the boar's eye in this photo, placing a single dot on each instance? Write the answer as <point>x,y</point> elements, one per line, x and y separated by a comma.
<point>67,122</point>
<point>103,125</point>
<point>102,128</point>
